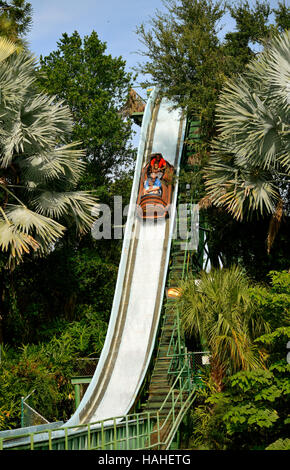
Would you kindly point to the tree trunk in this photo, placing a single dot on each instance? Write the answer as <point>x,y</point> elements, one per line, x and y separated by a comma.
<point>5,286</point>
<point>2,309</point>
<point>217,374</point>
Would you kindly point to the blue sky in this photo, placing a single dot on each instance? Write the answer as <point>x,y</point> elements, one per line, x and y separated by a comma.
<point>115,22</point>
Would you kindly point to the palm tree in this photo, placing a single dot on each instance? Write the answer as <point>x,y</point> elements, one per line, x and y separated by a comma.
<point>250,165</point>
<point>39,171</point>
<point>218,308</point>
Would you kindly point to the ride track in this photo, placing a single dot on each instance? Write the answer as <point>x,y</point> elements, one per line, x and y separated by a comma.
<point>140,287</point>
<point>141,281</point>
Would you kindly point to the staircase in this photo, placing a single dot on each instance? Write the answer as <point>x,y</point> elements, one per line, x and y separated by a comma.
<point>171,350</point>
<point>170,345</point>
<point>160,383</point>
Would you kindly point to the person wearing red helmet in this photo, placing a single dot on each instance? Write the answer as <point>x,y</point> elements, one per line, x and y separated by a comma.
<point>157,158</point>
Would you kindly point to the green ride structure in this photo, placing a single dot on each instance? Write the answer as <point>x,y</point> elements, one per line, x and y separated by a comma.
<point>146,378</point>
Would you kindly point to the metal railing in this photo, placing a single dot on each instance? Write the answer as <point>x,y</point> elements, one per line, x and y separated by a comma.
<point>29,416</point>
<point>148,430</point>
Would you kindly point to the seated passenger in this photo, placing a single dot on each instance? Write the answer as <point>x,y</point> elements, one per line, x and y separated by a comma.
<point>152,186</point>
<point>156,172</point>
<point>157,158</point>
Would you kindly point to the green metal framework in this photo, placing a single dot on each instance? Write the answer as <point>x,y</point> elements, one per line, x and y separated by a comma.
<point>137,431</point>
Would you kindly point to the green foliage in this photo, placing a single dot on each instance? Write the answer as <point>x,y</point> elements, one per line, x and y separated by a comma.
<point>279,333</point>
<point>253,397</point>
<point>253,28</point>
<point>79,339</point>
<point>218,308</point>
<point>183,55</point>
<point>280,444</point>
<point>250,412</point>
<point>45,294</point>
<point>19,378</point>
<point>280,281</point>
<point>39,170</point>
<point>273,303</point>
<point>15,19</point>
<point>241,418</point>
<point>282,17</point>
<point>252,409</point>
<point>47,368</point>
<point>276,344</point>
<point>95,86</point>
<point>249,168</point>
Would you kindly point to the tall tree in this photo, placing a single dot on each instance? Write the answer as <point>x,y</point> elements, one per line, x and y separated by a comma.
<point>253,28</point>
<point>95,86</point>
<point>186,55</point>
<point>183,55</point>
<point>218,308</point>
<point>282,17</point>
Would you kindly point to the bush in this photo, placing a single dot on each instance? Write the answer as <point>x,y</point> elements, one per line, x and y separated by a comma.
<point>47,369</point>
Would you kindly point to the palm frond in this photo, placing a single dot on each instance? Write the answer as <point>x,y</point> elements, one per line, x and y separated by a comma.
<point>252,152</point>
<point>28,222</point>
<point>15,241</point>
<point>220,309</point>
<point>42,168</point>
<point>240,190</point>
<point>78,204</point>
<point>7,48</point>
<point>16,77</point>
<point>63,162</point>
<point>275,64</point>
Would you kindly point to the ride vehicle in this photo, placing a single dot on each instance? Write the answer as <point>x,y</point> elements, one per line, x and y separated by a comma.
<point>154,203</point>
